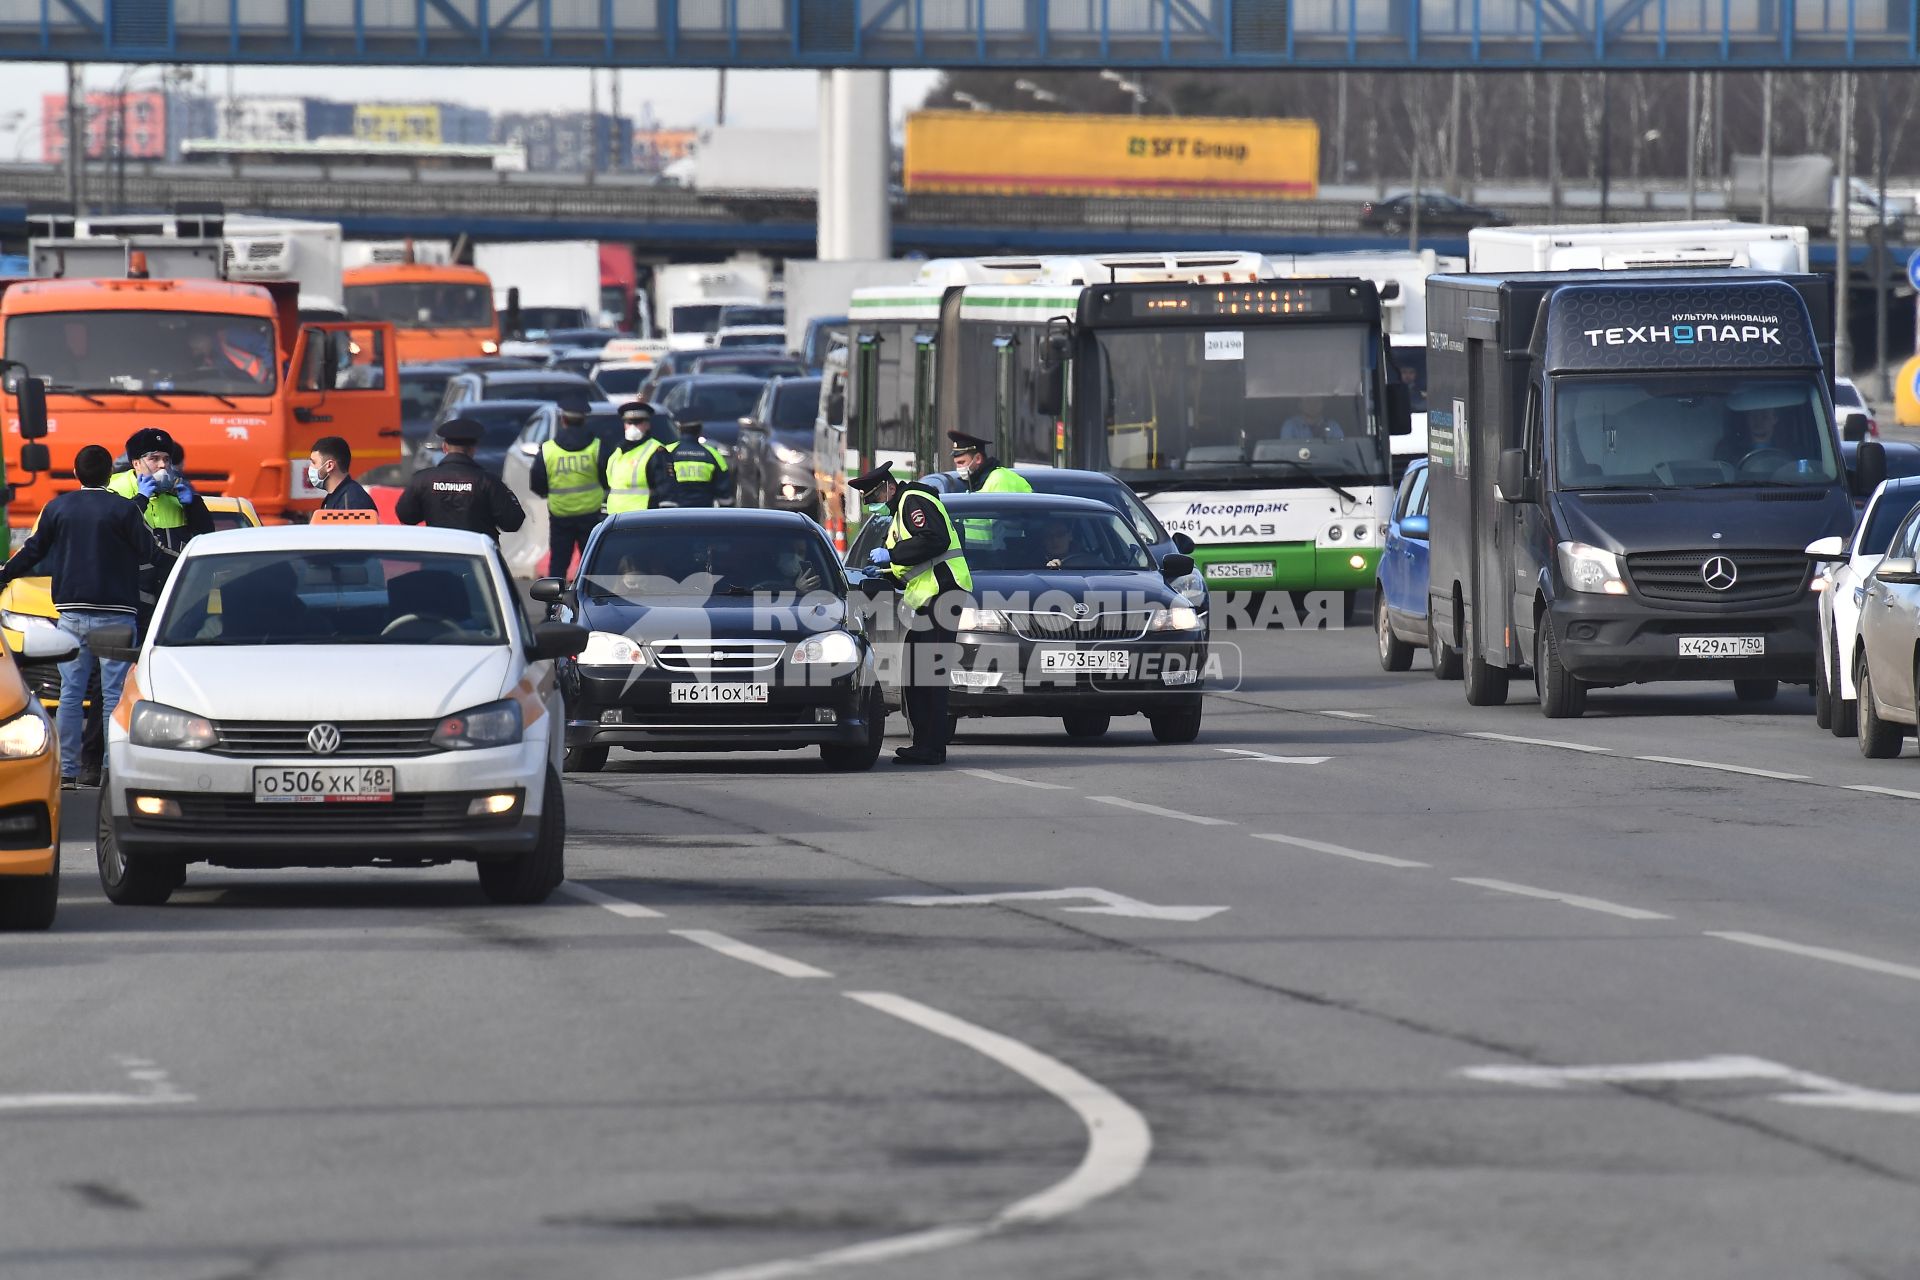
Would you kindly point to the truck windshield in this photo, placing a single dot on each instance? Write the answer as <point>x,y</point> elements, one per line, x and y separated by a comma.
<point>157,351</point>
<point>697,317</point>
<point>1282,405</point>
<point>423,304</point>
<point>1685,431</point>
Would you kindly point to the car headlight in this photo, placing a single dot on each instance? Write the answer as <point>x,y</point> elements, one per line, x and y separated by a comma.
<point>155,724</point>
<point>786,454</point>
<point>972,619</point>
<point>605,649</point>
<point>1333,533</point>
<point>22,621</point>
<point>832,648</point>
<point>490,347</point>
<point>24,736</point>
<point>1591,569</point>
<point>497,724</point>
<point>1360,533</point>
<point>1179,617</point>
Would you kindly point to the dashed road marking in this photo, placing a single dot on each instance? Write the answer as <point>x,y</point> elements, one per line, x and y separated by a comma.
<point>1106,903</point>
<point>1262,756</point>
<point>1886,791</point>
<point>619,906</point>
<point>1012,781</point>
<point>1750,772</point>
<point>1348,715</point>
<point>1542,742</point>
<point>768,960</point>
<point>1339,851</point>
<point>1137,806</point>
<point>1851,959</point>
<point>1568,899</point>
<point>151,1087</point>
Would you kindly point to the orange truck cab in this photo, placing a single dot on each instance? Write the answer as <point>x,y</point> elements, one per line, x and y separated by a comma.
<point>228,370</point>
<point>442,311</point>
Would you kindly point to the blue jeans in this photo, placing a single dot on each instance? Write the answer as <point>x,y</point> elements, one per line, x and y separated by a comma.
<point>76,671</point>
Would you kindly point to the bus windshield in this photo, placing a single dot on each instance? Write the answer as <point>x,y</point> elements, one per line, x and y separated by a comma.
<point>1274,405</point>
<point>146,351</point>
<point>1686,431</point>
<point>423,304</point>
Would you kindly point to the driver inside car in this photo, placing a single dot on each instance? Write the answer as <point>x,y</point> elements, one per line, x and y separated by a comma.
<point>425,603</point>
<point>1056,544</point>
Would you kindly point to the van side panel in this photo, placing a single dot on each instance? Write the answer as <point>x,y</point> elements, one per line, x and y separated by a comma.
<point>1450,505</point>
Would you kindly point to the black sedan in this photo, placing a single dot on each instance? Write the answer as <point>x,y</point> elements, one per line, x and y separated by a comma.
<point>1437,213</point>
<point>501,422</point>
<point>716,630</point>
<point>773,459</point>
<point>1071,617</point>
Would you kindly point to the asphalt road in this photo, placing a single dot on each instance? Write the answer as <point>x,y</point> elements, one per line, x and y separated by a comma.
<point>1466,1006</point>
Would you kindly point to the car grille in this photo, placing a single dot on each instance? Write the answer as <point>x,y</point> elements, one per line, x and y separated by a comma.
<point>43,678</point>
<point>707,657</point>
<point>1760,575</point>
<point>1053,625</point>
<point>357,737</point>
<point>403,815</point>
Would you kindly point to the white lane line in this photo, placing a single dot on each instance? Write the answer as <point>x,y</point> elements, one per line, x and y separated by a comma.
<point>1569,899</point>
<point>619,906</point>
<point>1338,851</point>
<point>1851,959</point>
<point>152,1088</point>
<point>1010,780</point>
<point>746,951</point>
<point>1197,819</point>
<point>1541,742</point>
<point>1118,1144</point>
<point>1886,791</point>
<point>1349,715</point>
<point>1725,768</point>
<point>1262,756</point>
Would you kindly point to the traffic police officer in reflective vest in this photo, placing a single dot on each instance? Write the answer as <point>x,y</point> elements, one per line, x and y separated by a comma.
<point>458,493</point>
<point>570,472</point>
<point>173,511</point>
<point>701,476</point>
<point>639,467</point>
<point>982,473</point>
<point>924,557</point>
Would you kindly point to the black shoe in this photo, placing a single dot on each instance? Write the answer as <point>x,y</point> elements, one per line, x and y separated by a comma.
<point>89,777</point>
<point>918,755</point>
<point>69,783</point>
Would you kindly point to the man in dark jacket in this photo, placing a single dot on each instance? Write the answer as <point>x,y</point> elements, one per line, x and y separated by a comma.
<point>330,470</point>
<point>458,493</point>
<point>95,544</point>
<point>570,472</point>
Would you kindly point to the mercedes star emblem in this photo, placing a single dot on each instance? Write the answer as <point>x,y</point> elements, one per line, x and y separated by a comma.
<point>323,739</point>
<point>1719,573</point>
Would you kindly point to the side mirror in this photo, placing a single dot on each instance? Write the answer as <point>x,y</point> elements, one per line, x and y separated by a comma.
<point>746,422</point>
<point>1183,544</point>
<point>1829,548</point>
<point>548,590</point>
<point>1049,390</point>
<point>1516,485</point>
<point>872,585</point>
<point>30,397</point>
<point>1414,527</point>
<point>115,643</point>
<point>1901,570</point>
<point>531,448</point>
<point>1855,429</point>
<point>46,642</point>
<point>1870,466</point>
<point>1176,566</point>
<point>35,457</point>
<point>1399,409</point>
<point>837,407</point>
<point>558,640</point>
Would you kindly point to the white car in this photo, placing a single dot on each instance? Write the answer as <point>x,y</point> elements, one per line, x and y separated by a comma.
<point>751,335</point>
<point>1845,565</point>
<point>337,695</point>
<point>1853,415</point>
<point>1884,666</point>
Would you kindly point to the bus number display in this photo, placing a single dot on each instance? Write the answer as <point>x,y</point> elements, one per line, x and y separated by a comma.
<point>1209,301</point>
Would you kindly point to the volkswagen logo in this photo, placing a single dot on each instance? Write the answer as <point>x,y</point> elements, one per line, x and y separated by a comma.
<point>323,739</point>
<point>1719,574</point>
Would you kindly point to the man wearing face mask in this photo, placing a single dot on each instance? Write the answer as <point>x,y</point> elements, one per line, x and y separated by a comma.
<point>173,511</point>
<point>983,474</point>
<point>329,469</point>
<point>570,472</point>
<point>638,472</point>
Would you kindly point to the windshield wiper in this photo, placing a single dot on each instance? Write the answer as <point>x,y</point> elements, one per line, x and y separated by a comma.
<point>153,396</point>
<point>1306,470</point>
<point>84,394</point>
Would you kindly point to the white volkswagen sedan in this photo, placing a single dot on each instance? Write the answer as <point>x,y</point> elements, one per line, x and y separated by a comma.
<point>1847,563</point>
<point>337,695</point>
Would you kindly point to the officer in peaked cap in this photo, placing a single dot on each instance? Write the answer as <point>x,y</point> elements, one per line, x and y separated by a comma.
<point>459,493</point>
<point>983,473</point>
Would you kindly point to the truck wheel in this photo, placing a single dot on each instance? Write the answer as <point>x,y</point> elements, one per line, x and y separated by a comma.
<point>584,759</point>
<point>529,877</point>
<point>141,882</point>
<point>1756,690</point>
<point>859,759</point>
<point>29,902</point>
<point>1878,739</point>
<point>1086,724</point>
<point>1844,721</point>
<point>1176,726</point>
<point>1395,654</point>
<point>1446,658</point>
<point>1486,683</point>
<point>1822,695</point>
<point>1563,696</point>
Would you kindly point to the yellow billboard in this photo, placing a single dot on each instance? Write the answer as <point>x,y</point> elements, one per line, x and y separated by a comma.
<point>1019,153</point>
<point>382,122</point>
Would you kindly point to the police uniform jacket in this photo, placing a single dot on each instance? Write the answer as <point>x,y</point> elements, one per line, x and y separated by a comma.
<point>458,493</point>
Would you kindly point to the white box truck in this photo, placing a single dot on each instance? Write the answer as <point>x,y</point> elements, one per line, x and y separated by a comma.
<point>261,249</point>
<point>1626,246</point>
<point>556,283</point>
<point>687,297</point>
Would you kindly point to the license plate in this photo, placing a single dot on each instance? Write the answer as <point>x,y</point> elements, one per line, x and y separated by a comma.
<point>327,784</point>
<point>718,693</point>
<point>1238,569</point>
<point>1723,646</point>
<point>1101,661</point>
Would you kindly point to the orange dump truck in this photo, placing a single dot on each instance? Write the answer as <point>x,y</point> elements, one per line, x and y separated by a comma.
<point>442,311</point>
<point>228,370</point>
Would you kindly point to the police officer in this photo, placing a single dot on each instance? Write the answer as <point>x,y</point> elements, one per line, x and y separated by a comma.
<point>570,472</point>
<point>982,473</point>
<point>701,476</point>
<point>156,484</point>
<point>458,493</point>
<point>639,469</point>
<point>924,557</point>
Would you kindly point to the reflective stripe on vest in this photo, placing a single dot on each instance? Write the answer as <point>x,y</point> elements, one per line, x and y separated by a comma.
<point>573,481</point>
<point>920,583</point>
<point>163,509</point>
<point>698,470</point>
<point>627,488</point>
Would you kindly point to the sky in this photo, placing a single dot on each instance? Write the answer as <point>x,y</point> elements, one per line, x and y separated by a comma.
<point>758,99</point>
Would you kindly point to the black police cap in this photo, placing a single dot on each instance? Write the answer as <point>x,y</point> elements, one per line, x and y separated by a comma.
<point>873,479</point>
<point>461,431</point>
<point>637,409</point>
<point>964,443</point>
<point>149,440</point>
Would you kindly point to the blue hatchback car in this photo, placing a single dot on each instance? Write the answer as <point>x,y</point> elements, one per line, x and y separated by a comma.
<point>1400,620</point>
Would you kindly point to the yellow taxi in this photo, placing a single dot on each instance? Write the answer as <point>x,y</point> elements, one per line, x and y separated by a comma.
<point>29,805</point>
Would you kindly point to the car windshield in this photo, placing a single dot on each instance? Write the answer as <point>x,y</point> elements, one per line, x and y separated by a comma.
<point>540,322</point>
<point>501,424</point>
<point>1877,534</point>
<point>725,402</point>
<point>1114,495</point>
<point>739,315</point>
<point>331,597</point>
<point>623,381</point>
<point>1845,393</point>
<point>648,564</point>
<point>532,389</point>
<point>749,366</point>
<point>750,339</point>
<point>423,304</point>
<point>228,518</point>
<point>999,538</point>
<point>420,396</point>
<point>795,405</point>
<point>1683,431</point>
<point>586,337</point>
<point>182,352</point>
<point>696,317</point>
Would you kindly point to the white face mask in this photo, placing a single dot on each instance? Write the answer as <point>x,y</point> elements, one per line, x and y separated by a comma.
<point>316,478</point>
<point>636,433</point>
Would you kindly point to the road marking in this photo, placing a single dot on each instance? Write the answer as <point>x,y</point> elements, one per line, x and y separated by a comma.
<point>1725,768</point>
<point>1154,809</point>
<point>1851,959</point>
<point>1110,903</point>
<point>619,906</point>
<point>1886,791</point>
<point>1263,756</point>
<point>1118,1144</point>
<point>1569,899</point>
<point>1815,1090</point>
<point>1010,780</point>
<point>751,954</point>
<point>1338,851</point>
<point>1349,715</point>
<point>151,1088</point>
<point>1542,742</point>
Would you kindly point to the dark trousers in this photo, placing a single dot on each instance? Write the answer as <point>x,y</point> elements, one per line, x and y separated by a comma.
<point>93,730</point>
<point>926,693</point>
<point>566,535</point>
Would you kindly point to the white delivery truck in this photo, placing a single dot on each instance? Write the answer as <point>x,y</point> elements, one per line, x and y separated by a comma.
<point>687,297</point>
<point>820,289</point>
<point>260,249</point>
<point>1626,246</point>
<point>551,284</point>
<point>736,159</point>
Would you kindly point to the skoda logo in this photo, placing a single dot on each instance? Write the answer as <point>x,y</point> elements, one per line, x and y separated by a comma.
<point>1719,574</point>
<point>323,739</point>
<point>1080,611</point>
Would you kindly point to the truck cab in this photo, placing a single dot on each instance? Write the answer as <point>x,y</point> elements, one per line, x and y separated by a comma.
<point>1625,470</point>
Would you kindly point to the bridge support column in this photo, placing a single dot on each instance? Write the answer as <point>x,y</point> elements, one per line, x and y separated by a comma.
<point>854,166</point>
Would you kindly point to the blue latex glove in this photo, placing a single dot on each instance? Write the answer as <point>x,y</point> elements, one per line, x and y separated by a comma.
<point>146,486</point>
<point>183,490</point>
<point>880,558</point>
